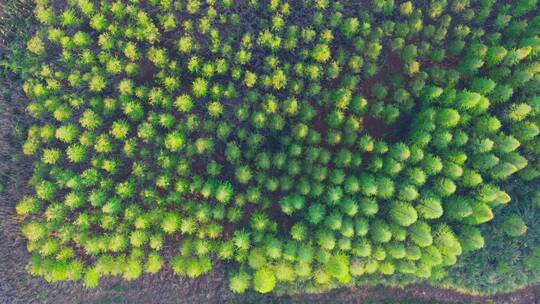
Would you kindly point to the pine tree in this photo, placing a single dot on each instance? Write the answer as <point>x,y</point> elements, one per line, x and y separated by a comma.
<point>408,192</point>
<point>338,267</point>
<point>256,258</point>
<point>514,226</point>
<point>28,205</point>
<point>91,278</point>
<point>471,238</point>
<point>369,207</point>
<point>420,233</point>
<point>316,213</point>
<point>403,213</point>
<point>380,231</point>
<point>481,213</point>
<point>431,256</point>
<point>284,272</point>
<point>446,241</point>
<point>430,207</point>
<point>170,222</point>
<point>445,187</point>
<point>264,280</point>
<point>154,262</point>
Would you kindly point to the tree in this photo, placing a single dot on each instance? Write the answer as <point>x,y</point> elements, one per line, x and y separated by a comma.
<point>458,207</point>
<point>154,262</point>
<point>46,190</point>
<point>487,125</point>
<point>514,226</point>
<point>471,238</point>
<point>200,87</point>
<point>316,213</point>
<point>285,272</point>
<point>305,254</point>
<point>396,250</point>
<point>380,231</point>
<point>430,207</point>
<point>387,268</point>
<point>256,258</point>
<point>408,192</point>
<point>264,280</point>
<point>76,153</point>
<point>503,170</point>
<point>481,213</point>
<point>224,192</point>
<point>321,53</point>
<point>445,187</point>
<point>420,233</point>
<point>350,27</point>
<point>432,164</point>
<point>349,207</point>
<point>506,143</point>
<point>495,54</point>
<point>91,278</point>
<point>416,176</point>
<point>467,100</point>
<point>483,86</point>
<point>326,239</point>
<point>338,267</point>
<point>334,220</point>
<point>431,256</point>
<point>299,231</point>
<point>36,45</point>
<point>174,141</point>
<point>28,205</point>
<point>368,185</point>
<point>448,117</point>
<point>403,213</point>
<point>446,241</point>
<point>243,174</point>
<point>369,207</point>
<point>170,222</point>
<point>525,131</point>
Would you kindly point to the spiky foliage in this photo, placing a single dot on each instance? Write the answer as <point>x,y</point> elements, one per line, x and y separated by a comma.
<point>239,282</point>
<point>514,226</point>
<point>264,280</point>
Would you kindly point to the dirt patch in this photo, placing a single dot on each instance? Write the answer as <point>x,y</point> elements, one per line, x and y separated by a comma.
<point>146,71</point>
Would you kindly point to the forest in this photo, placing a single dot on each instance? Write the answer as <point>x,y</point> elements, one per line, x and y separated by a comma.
<point>288,147</point>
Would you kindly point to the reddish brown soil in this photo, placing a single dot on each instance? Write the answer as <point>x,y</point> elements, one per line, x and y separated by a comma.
<point>146,71</point>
